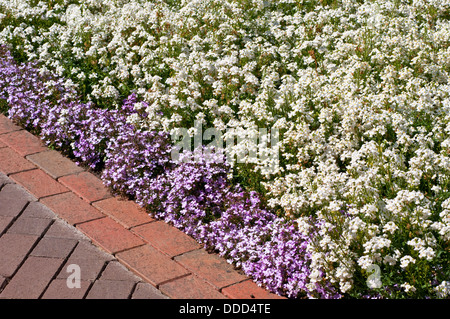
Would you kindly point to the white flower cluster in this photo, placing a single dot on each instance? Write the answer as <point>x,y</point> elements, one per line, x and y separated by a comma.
<point>359,91</point>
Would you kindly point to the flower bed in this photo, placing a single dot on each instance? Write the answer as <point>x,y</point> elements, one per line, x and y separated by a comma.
<point>358,91</point>
<point>193,196</point>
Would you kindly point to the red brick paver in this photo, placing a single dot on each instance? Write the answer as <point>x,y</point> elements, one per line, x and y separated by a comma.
<point>29,226</point>
<point>190,287</point>
<point>37,249</point>
<point>5,221</point>
<point>38,210</point>
<point>86,185</point>
<point>110,235</point>
<point>147,291</point>
<point>71,208</point>
<point>110,289</point>
<point>54,164</point>
<point>125,212</point>
<point>32,278</point>
<point>248,290</point>
<point>90,260</point>
<point>166,238</point>
<point>14,248</point>
<point>54,247</point>
<point>13,200</point>
<point>6,126</point>
<point>39,183</point>
<point>4,179</point>
<point>23,142</point>
<point>11,162</point>
<point>151,264</point>
<point>114,271</point>
<point>211,267</point>
<point>58,290</point>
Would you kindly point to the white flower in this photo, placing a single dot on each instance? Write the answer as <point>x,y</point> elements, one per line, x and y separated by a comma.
<point>417,243</point>
<point>427,253</point>
<point>408,287</point>
<point>390,227</point>
<point>345,286</point>
<point>309,60</point>
<point>406,260</point>
<point>443,290</point>
<point>375,244</point>
<point>133,118</point>
<point>73,14</point>
<point>390,260</point>
<point>365,261</point>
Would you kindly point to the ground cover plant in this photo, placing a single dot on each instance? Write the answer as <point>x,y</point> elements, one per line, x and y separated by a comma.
<point>357,90</point>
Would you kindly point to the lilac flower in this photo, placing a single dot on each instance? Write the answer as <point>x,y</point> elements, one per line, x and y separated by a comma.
<point>133,159</point>
<point>23,89</point>
<point>187,194</point>
<point>266,247</point>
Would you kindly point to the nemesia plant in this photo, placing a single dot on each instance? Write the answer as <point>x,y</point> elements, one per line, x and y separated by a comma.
<point>357,89</point>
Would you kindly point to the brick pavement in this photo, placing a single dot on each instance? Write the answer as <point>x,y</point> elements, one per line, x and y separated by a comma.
<point>37,248</point>
<point>54,214</point>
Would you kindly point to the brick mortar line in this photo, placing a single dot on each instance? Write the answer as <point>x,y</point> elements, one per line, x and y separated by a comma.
<point>176,278</point>
<point>21,171</point>
<point>140,224</point>
<point>13,176</point>
<point>118,221</point>
<point>5,133</point>
<point>15,218</point>
<point>45,196</point>
<point>133,290</point>
<point>86,221</point>
<point>172,257</point>
<point>235,283</point>
<point>129,248</point>
<point>97,277</point>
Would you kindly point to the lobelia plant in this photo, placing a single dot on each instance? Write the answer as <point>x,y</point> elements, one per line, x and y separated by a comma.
<point>190,193</point>
<point>134,158</point>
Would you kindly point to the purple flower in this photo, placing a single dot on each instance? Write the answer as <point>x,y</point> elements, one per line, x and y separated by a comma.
<point>133,158</point>
<point>268,248</point>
